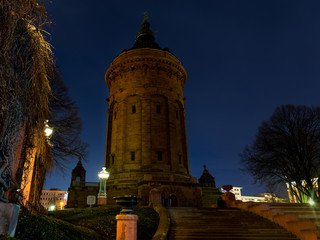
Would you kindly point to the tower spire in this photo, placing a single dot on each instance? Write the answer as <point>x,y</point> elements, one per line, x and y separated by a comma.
<point>145,14</point>
<point>145,37</point>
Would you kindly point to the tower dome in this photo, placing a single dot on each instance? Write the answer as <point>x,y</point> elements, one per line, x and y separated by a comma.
<point>145,37</point>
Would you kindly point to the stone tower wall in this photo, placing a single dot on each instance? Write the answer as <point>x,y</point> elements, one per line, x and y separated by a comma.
<point>146,116</point>
<point>146,132</point>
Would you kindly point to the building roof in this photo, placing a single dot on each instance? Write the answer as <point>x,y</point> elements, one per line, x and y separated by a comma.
<point>79,167</point>
<point>145,38</point>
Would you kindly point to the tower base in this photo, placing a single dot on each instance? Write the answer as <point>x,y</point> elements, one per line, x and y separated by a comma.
<point>176,190</point>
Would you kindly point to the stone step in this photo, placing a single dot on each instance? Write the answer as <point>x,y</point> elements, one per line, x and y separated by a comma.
<point>224,232</point>
<point>229,238</point>
<point>236,226</point>
<point>289,209</point>
<point>198,223</point>
<point>289,204</point>
<point>200,235</point>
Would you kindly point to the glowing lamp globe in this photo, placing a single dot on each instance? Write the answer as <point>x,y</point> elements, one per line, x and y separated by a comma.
<point>103,174</point>
<point>47,129</point>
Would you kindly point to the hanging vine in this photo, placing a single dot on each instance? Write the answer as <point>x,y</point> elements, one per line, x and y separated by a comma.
<point>26,65</point>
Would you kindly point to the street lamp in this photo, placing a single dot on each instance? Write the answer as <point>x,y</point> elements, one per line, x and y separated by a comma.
<point>102,195</point>
<point>47,129</point>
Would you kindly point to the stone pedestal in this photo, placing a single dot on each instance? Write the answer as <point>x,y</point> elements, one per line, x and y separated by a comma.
<point>9,214</point>
<point>229,199</point>
<point>127,227</point>
<point>102,201</point>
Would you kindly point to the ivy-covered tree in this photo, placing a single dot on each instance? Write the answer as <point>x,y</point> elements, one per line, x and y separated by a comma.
<point>31,93</point>
<point>25,66</point>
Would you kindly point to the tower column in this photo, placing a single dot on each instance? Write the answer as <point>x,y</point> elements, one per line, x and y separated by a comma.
<point>146,133</point>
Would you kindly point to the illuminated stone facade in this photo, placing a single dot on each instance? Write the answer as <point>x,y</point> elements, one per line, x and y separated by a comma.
<point>146,143</point>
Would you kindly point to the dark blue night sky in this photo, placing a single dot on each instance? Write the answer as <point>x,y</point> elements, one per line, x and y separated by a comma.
<point>243,58</point>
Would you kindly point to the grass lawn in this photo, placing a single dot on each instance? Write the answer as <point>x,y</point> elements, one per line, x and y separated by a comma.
<point>84,223</point>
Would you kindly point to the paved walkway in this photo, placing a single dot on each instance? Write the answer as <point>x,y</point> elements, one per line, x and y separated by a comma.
<point>224,224</point>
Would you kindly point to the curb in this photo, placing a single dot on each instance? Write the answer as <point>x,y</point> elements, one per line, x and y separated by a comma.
<point>164,222</point>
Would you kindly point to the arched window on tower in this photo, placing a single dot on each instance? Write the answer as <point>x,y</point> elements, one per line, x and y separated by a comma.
<point>133,108</point>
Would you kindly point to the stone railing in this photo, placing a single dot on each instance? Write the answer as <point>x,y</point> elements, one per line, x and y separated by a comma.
<point>299,219</point>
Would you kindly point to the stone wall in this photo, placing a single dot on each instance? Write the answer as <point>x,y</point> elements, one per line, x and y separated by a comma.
<point>77,195</point>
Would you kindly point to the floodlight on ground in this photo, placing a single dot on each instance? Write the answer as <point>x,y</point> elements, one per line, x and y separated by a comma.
<point>311,202</point>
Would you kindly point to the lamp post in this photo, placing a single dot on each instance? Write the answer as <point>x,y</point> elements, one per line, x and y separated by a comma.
<point>102,195</point>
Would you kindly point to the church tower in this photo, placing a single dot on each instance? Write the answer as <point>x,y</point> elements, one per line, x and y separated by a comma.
<point>146,143</point>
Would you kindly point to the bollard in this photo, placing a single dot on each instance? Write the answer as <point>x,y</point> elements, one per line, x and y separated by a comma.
<point>127,220</point>
<point>127,227</point>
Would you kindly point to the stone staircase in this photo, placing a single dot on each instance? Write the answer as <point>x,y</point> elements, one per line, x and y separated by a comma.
<point>301,219</point>
<point>304,211</point>
<point>224,224</point>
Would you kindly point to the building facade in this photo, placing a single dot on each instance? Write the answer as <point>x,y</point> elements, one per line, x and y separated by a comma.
<point>53,199</point>
<point>146,144</point>
<point>237,192</point>
<point>81,194</point>
<point>260,197</point>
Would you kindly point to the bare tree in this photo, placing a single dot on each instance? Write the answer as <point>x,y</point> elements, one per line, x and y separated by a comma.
<point>287,150</point>
<point>65,142</point>
<point>65,120</point>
